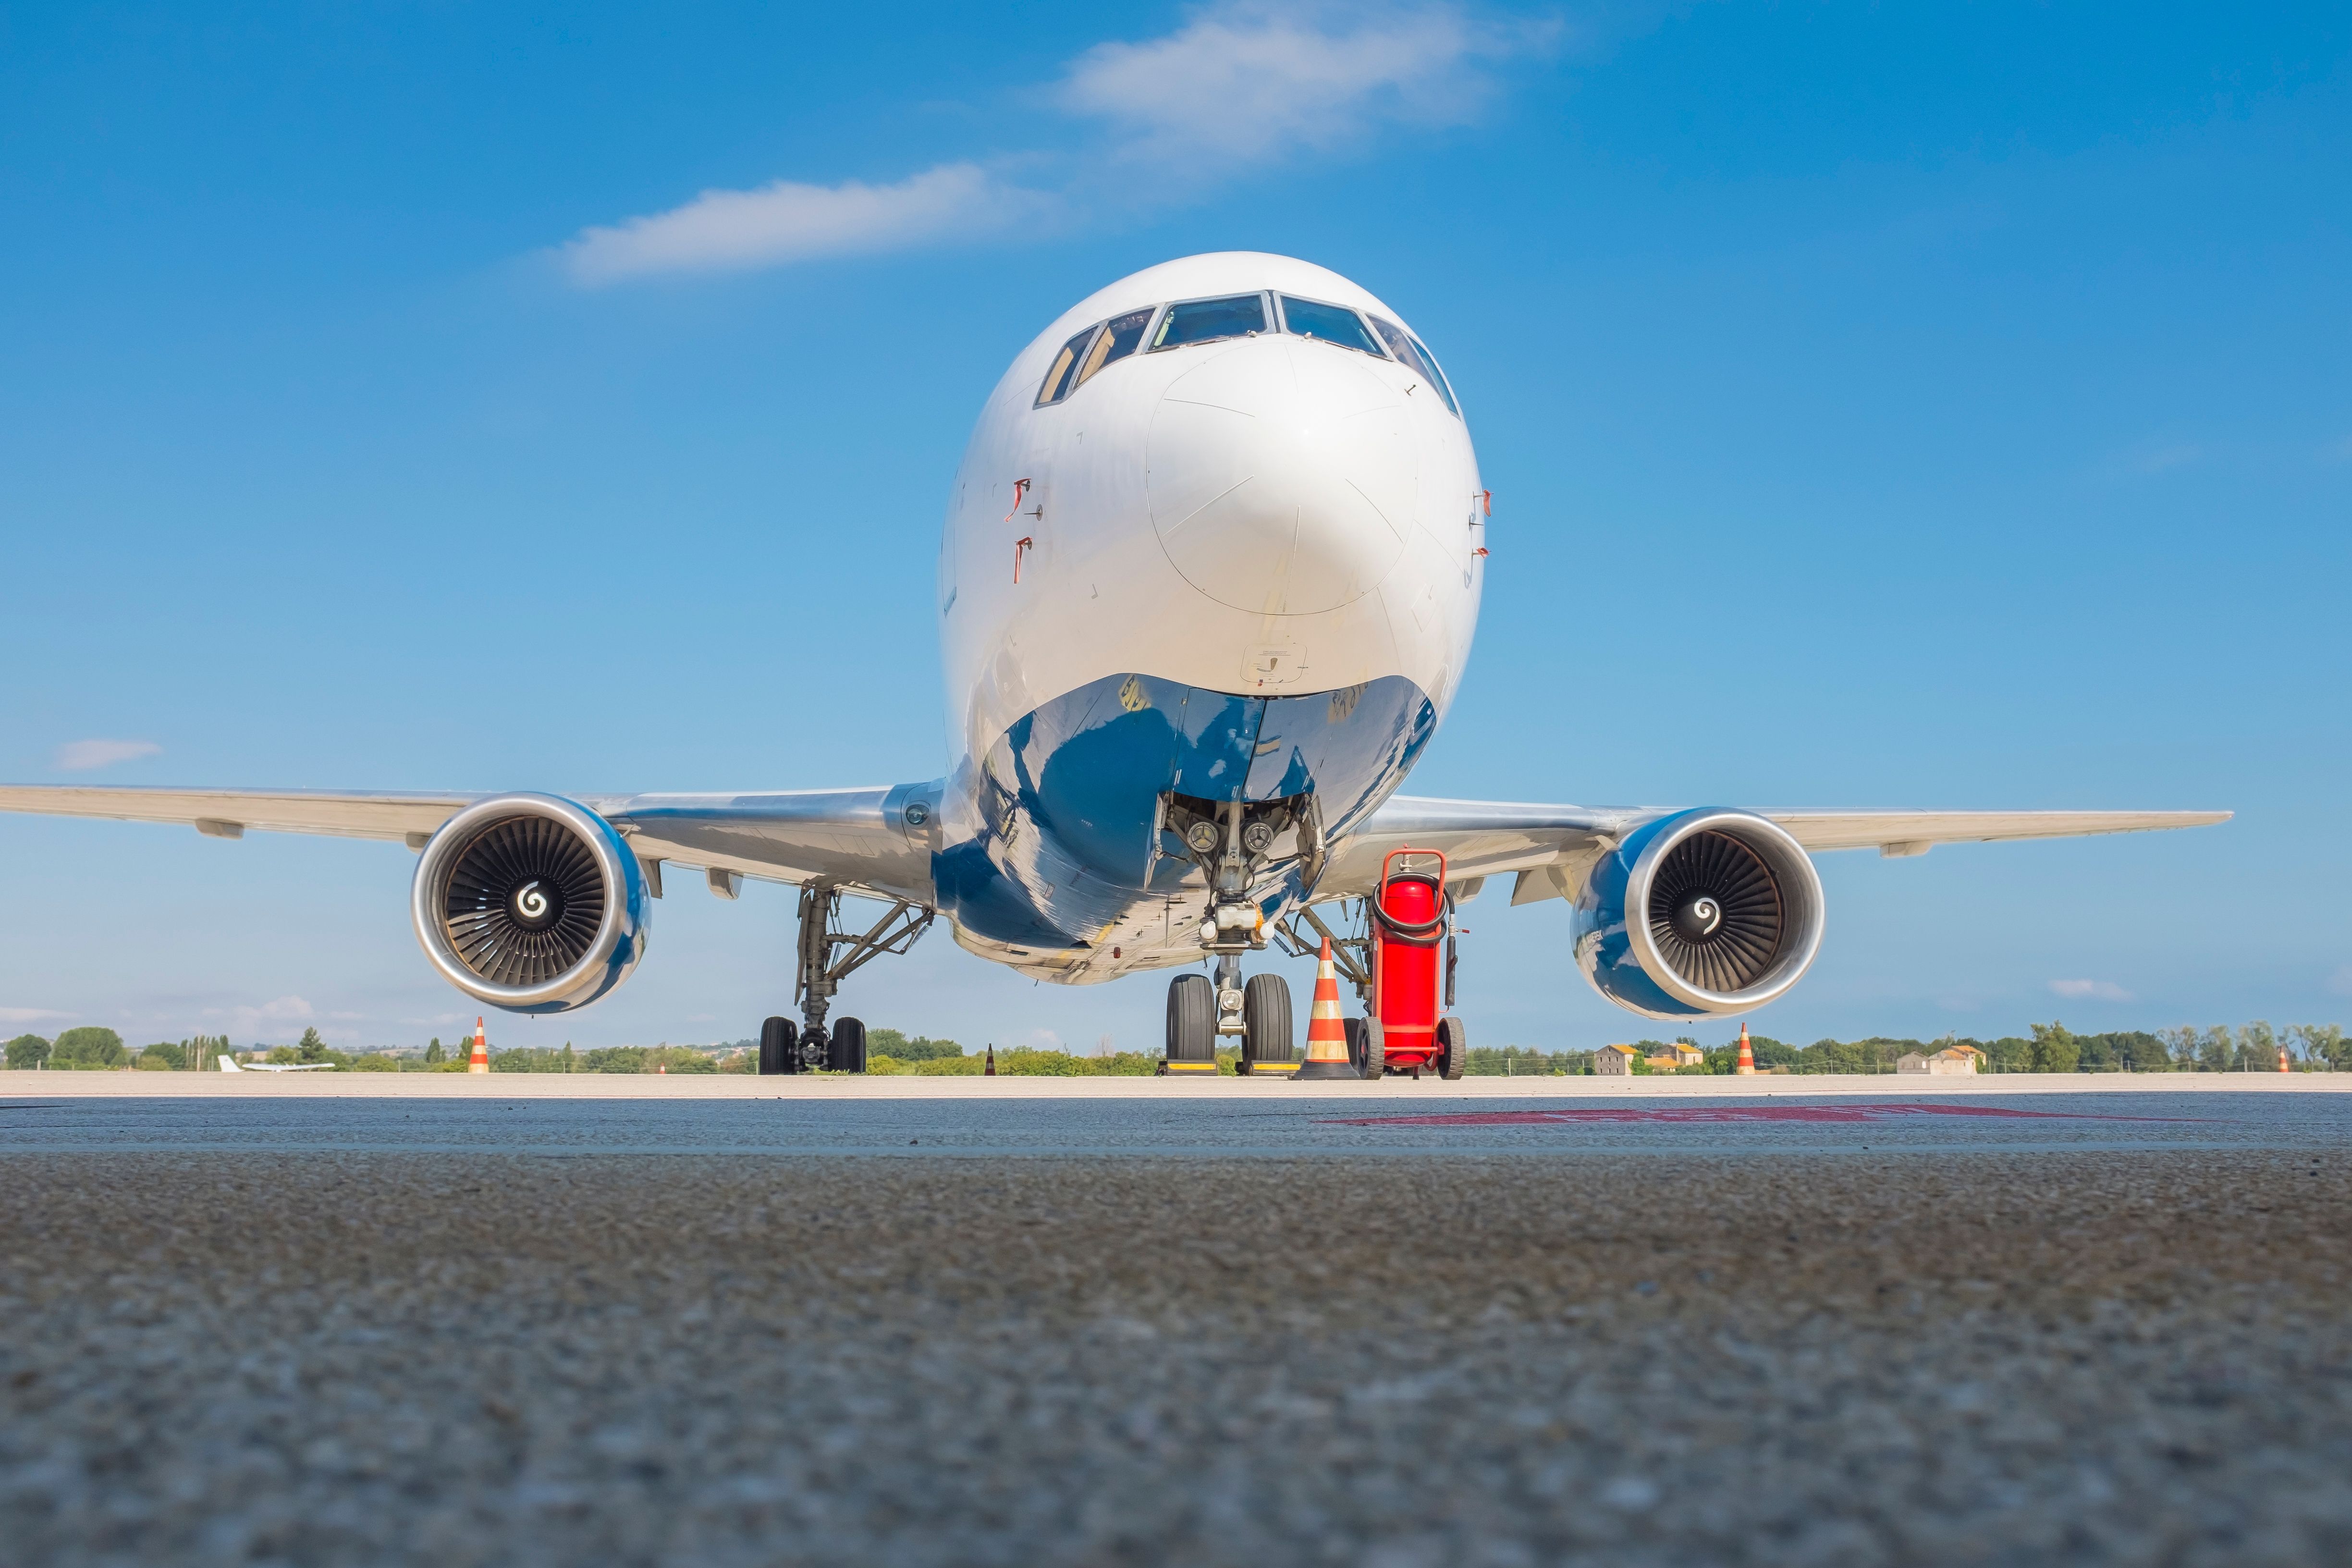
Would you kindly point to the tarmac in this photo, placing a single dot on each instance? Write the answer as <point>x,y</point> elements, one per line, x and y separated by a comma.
<point>1090,1322</point>
<point>652,1087</point>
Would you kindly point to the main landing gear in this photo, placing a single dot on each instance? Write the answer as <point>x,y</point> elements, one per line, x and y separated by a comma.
<point>818,973</point>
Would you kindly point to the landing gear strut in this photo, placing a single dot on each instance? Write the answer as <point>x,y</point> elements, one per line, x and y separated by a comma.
<point>817,975</point>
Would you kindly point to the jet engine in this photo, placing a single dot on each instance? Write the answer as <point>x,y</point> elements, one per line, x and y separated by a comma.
<point>530,902</point>
<point>1704,912</point>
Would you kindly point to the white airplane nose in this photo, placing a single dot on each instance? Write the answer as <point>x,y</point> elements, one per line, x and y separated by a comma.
<point>1283,476</point>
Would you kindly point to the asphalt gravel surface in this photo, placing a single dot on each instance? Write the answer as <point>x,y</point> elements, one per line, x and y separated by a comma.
<point>1245,1118</point>
<point>1899,1337</point>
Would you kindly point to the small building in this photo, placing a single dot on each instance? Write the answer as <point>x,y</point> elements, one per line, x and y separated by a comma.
<point>1674,1058</point>
<point>1954,1060</point>
<point>1614,1061</point>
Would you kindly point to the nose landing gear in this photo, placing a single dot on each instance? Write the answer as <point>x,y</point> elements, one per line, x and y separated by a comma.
<point>1230,844</point>
<point>1201,1012</point>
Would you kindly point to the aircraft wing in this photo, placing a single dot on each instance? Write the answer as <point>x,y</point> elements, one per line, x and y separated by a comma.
<point>857,838</point>
<point>227,813</point>
<point>1550,847</point>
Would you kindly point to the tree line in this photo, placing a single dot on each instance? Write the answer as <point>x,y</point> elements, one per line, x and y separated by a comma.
<point>2046,1047</point>
<point>95,1049</point>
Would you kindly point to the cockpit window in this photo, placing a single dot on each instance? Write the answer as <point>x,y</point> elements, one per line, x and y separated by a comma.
<point>1408,349</point>
<point>1065,373</point>
<point>1121,336</point>
<point>1438,371</point>
<point>1206,320</point>
<point>1329,323</point>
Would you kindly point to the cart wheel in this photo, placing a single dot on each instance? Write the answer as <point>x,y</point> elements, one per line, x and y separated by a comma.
<point>1453,1048</point>
<point>1374,1062</point>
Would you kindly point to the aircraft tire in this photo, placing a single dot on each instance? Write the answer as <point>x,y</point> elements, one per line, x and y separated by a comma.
<point>1453,1048</point>
<point>1266,1020</point>
<point>844,1048</point>
<point>780,1046</point>
<point>1191,1019</point>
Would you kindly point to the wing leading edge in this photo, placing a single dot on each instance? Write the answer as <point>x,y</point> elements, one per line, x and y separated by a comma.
<point>1550,847</point>
<point>858,838</point>
<point>872,840</point>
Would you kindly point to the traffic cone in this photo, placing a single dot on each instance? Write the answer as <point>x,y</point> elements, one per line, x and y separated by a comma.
<point>990,1070</point>
<point>2282,1066</point>
<point>1746,1055</point>
<point>480,1060</point>
<point>1327,1036</point>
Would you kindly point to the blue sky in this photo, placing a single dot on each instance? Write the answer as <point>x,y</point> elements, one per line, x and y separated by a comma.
<point>1884,406</point>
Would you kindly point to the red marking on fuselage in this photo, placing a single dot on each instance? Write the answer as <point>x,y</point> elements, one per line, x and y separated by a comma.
<point>1718,1113</point>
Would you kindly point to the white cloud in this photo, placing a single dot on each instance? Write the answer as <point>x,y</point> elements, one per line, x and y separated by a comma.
<point>2163,459</point>
<point>2095,990</point>
<point>79,756</point>
<point>1237,84</point>
<point>722,231</point>
<point>1248,81</point>
<point>29,1015</point>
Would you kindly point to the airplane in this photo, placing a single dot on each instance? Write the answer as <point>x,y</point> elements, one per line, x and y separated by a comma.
<point>230,1064</point>
<point>1206,587</point>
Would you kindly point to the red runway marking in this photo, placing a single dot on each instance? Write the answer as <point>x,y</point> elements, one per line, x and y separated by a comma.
<point>1718,1113</point>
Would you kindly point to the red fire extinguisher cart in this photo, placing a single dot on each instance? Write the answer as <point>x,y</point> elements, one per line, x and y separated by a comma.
<point>1409,932</point>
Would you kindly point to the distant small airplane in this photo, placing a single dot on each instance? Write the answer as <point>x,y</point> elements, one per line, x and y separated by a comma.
<point>230,1064</point>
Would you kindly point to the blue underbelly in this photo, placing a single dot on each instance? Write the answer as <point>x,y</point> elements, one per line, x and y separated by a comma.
<point>1069,796</point>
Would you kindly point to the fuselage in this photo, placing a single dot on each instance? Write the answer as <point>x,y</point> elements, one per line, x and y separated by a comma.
<point>1218,535</point>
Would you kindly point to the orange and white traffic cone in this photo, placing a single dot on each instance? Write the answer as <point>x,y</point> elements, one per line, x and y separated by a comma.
<point>2282,1066</point>
<point>1746,1055</point>
<point>1327,1035</point>
<point>480,1060</point>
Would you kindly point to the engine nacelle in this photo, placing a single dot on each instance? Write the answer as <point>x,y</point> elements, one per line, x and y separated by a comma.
<point>1704,911</point>
<point>530,902</point>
